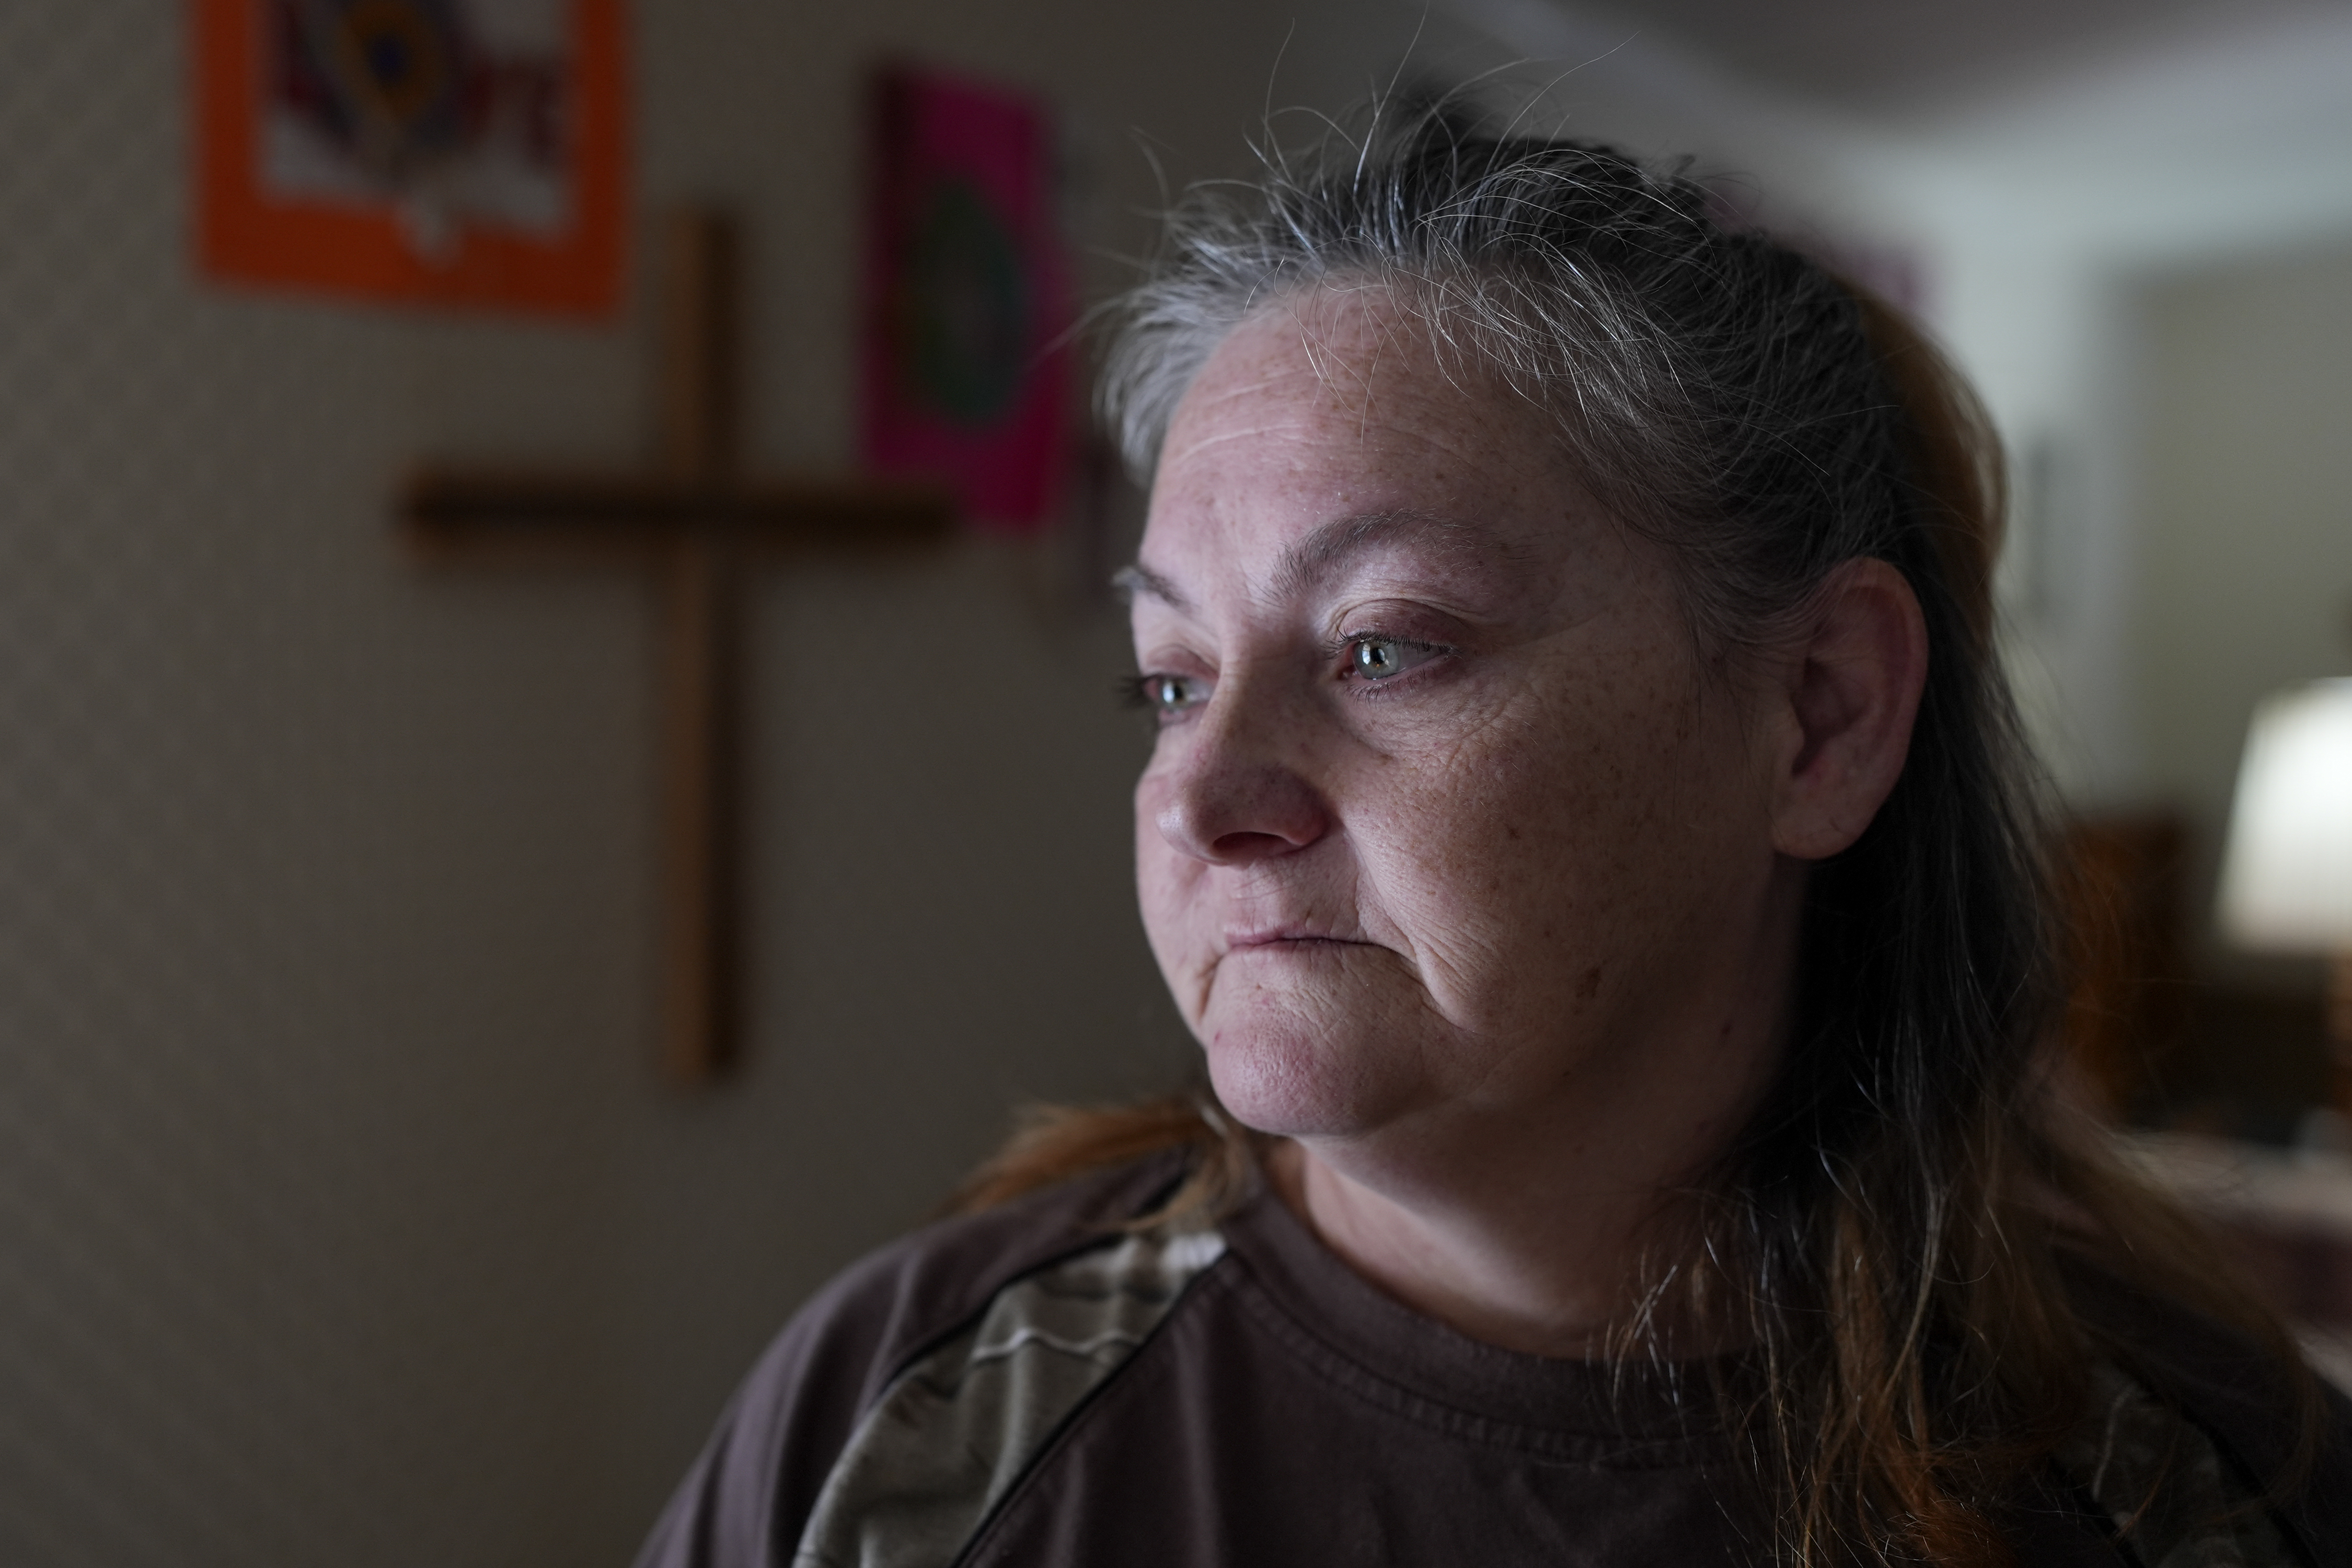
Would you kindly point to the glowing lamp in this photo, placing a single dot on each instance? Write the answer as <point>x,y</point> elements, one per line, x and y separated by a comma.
<point>2287,875</point>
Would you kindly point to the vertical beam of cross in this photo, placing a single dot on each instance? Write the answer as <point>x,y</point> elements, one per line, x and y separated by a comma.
<point>701,907</point>
<point>695,520</point>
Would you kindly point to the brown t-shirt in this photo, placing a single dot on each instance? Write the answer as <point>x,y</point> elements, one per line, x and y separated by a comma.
<point>1036,1385</point>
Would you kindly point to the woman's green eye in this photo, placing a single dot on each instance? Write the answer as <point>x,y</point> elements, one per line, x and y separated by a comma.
<point>1173,693</point>
<point>1378,659</point>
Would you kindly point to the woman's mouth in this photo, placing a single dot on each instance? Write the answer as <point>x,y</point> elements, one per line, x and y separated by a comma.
<point>1293,936</point>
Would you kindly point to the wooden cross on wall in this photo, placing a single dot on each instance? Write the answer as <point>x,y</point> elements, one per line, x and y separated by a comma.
<point>694,518</point>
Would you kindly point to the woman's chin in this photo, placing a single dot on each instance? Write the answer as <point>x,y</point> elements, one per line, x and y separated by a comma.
<point>1292,1079</point>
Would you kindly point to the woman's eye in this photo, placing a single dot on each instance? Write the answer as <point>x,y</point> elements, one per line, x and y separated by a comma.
<point>1168,695</point>
<point>1378,658</point>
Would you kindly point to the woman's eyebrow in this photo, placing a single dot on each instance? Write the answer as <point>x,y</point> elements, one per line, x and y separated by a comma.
<point>1136,580</point>
<point>1314,560</point>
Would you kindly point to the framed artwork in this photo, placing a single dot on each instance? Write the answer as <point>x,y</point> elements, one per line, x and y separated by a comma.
<point>968,297</point>
<point>467,153</point>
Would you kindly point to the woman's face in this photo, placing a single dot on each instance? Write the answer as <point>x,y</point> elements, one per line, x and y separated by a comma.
<point>1446,816</point>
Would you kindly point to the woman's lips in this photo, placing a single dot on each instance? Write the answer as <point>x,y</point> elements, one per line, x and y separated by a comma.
<point>1286,936</point>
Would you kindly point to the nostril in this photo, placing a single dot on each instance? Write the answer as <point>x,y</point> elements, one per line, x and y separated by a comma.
<point>1242,849</point>
<point>1209,830</point>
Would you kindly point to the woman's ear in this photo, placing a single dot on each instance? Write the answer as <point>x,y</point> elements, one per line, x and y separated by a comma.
<point>1852,691</point>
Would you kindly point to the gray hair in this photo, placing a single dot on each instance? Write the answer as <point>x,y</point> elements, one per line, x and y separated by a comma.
<point>1713,388</point>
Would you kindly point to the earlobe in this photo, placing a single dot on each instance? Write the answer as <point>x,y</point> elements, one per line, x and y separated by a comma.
<point>1853,692</point>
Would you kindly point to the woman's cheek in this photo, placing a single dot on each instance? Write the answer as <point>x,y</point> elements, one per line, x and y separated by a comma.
<point>1171,890</point>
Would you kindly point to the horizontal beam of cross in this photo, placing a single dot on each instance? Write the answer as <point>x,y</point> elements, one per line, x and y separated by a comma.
<point>453,504</point>
<point>696,521</point>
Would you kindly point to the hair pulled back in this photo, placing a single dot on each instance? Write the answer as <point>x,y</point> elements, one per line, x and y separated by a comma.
<point>1888,1231</point>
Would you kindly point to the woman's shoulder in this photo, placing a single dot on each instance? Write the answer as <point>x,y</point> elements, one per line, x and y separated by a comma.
<point>2178,1383</point>
<point>751,1493</point>
<point>895,1301</point>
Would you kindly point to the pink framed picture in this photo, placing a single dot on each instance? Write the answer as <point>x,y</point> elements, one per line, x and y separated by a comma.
<point>967,298</point>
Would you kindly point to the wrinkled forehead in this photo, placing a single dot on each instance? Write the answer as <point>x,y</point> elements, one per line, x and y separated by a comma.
<point>1344,350</point>
<point>1336,416</point>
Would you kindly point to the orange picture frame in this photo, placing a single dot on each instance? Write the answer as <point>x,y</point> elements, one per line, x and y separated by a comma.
<point>250,234</point>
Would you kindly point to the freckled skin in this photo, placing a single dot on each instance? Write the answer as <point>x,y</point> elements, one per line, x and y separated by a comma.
<point>1501,943</point>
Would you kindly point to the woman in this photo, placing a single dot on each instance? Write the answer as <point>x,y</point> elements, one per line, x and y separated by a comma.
<point>1585,834</point>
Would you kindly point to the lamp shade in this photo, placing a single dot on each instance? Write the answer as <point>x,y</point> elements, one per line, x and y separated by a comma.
<point>2287,875</point>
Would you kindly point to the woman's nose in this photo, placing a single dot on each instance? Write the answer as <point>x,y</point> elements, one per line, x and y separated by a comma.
<point>1234,797</point>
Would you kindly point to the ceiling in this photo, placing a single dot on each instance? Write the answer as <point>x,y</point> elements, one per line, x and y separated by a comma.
<point>1906,57</point>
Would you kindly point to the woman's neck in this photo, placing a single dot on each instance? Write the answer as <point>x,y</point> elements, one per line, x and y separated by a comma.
<point>1548,1230</point>
<point>1552,1284</point>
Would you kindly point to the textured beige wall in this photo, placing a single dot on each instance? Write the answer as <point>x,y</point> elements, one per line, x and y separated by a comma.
<point>342,1218</point>
<point>2244,493</point>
